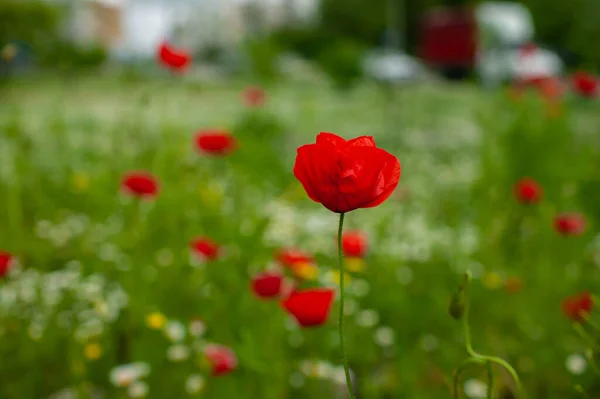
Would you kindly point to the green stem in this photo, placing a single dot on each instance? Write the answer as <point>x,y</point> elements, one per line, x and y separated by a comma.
<point>476,355</point>
<point>341,315</point>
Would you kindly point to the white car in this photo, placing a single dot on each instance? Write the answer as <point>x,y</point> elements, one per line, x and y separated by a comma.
<point>506,28</point>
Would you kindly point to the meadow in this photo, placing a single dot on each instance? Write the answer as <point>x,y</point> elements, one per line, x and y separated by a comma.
<point>110,295</point>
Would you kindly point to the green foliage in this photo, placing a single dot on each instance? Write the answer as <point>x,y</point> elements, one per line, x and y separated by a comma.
<point>263,56</point>
<point>341,60</point>
<point>66,55</point>
<point>37,25</point>
<point>84,247</point>
<point>34,22</point>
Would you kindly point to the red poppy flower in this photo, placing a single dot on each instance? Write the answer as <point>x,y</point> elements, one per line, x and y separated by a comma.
<point>140,184</point>
<point>5,263</point>
<point>346,175</point>
<point>578,307</point>
<point>215,142</point>
<point>290,256</point>
<point>172,58</point>
<point>528,191</point>
<point>267,284</point>
<point>585,84</point>
<point>551,89</point>
<point>354,244</point>
<point>221,358</point>
<point>205,248</point>
<point>254,96</point>
<point>569,224</point>
<point>309,307</point>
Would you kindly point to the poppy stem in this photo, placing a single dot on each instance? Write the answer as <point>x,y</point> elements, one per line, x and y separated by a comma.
<point>478,356</point>
<point>341,315</point>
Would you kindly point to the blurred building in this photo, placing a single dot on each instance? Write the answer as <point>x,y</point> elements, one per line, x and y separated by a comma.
<point>134,28</point>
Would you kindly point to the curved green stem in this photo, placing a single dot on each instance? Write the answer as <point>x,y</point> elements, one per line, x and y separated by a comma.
<point>476,355</point>
<point>341,315</point>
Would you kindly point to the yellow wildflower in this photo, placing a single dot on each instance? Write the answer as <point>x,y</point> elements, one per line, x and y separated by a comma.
<point>156,320</point>
<point>492,280</point>
<point>92,351</point>
<point>305,271</point>
<point>354,264</point>
<point>80,181</point>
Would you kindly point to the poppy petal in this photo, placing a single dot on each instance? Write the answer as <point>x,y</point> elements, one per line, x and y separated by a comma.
<point>316,168</point>
<point>362,141</point>
<point>330,138</point>
<point>368,176</point>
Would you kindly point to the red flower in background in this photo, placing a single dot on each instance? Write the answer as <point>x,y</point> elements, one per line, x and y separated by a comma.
<point>172,58</point>
<point>551,89</point>
<point>578,307</point>
<point>354,244</point>
<point>309,307</point>
<point>254,96</point>
<point>346,175</point>
<point>215,142</point>
<point>140,184</point>
<point>569,224</point>
<point>289,257</point>
<point>528,191</point>
<point>205,248</point>
<point>5,263</point>
<point>221,358</point>
<point>267,284</point>
<point>585,84</point>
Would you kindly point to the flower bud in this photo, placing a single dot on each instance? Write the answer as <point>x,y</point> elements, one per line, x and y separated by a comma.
<point>457,305</point>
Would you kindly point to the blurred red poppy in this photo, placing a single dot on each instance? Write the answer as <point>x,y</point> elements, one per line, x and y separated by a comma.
<point>175,59</point>
<point>309,307</point>
<point>267,284</point>
<point>5,263</point>
<point>551,89</point>
<point>346,175</point>
<point>528,191</point>
<point>215,142</point>
<point>254,96</point>
<point>354,244</point>
<point>221,358</point>
<point>578,307</point>
<point>140,184</point>
<point>290,256</point>
<point>585,84</point>
<point>205,248</point>
<point>569,224</point>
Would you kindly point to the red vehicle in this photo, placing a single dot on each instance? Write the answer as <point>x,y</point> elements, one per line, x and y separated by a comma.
<point>448,40</point>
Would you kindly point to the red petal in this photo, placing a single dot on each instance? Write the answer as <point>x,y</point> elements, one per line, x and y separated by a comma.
<point>368,176</point>
<point>330,138</point>
<point>317,169</point>
<point>362,141</point>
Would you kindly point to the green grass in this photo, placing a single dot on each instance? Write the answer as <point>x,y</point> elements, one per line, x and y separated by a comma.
<point>65,144</point>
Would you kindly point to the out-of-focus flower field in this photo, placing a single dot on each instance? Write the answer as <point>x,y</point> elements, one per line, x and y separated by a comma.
<point>105,294</point>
